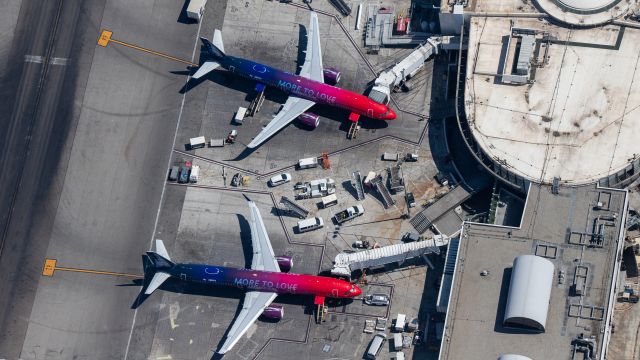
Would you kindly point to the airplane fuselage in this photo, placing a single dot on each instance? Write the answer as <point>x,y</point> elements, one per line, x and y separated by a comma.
<point>266,281</point>
<point>308,89</point>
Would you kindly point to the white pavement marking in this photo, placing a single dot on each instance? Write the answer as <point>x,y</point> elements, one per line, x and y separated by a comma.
<point>164,186</point>
<point>59,61</point>
<point>33,58</point>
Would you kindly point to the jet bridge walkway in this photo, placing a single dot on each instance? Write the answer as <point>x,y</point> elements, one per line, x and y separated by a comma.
<point>294,208</point>
<point>345,263</point>
<point>448,202</point>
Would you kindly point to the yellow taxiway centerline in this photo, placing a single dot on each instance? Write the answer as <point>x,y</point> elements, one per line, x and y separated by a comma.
<point>105,38</point>
<point>50,268</point>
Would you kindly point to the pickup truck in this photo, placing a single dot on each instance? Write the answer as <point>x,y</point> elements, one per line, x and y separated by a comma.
<point>349,213</point>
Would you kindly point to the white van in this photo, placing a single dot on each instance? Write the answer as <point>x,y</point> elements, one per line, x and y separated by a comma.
<point>280,179</point>
<point>307,163</point>
<point>376,345</point>
<point>310,224</point>
<point>329,201</point>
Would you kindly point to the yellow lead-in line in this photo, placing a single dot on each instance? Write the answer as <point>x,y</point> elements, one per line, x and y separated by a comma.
<point>50,268</point>
<point>98,272</point>
<point>105,38</point>
<point>152,52</point>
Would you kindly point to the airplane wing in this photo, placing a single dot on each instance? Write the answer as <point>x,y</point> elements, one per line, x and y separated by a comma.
<point>263,257</point>
<point>312,67</point>
<point>292,108</point>
<point>254,304</point>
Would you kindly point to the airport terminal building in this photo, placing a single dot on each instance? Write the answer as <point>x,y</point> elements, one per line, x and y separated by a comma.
<point>541,289</point>
<point>549,97</point>
<point>547,102</point>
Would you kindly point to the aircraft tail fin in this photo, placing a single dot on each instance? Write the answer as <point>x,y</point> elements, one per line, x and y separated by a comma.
<point>215,49</point>
<point>158,263</point>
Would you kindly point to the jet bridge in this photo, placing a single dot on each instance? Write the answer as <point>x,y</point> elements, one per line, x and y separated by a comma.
<point>345,263</point>
<point>394,77</point>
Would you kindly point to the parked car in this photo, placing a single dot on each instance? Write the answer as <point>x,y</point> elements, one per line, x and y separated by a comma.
<point>184,175</point>
<point>280,179</point>
<point>173,173</point>
<point>377,299</point>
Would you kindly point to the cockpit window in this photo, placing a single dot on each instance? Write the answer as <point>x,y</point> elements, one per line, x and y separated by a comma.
<point>353,288</point>
<point>385,113</point>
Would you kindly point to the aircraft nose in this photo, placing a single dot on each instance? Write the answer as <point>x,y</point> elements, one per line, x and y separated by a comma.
<point>357,291</point>
<point>392,115</point>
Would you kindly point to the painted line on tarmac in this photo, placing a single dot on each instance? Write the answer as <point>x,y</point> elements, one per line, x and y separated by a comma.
<point>50,267</point>
<point>106,38</point>
<point>164,186</point>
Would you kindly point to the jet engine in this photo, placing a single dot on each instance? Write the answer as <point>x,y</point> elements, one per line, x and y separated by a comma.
<point>310,119</point>
<point>284,262</point>
<point>273,311</point>
<point>331,76</point>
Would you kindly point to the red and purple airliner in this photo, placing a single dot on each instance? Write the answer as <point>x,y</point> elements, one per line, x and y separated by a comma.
<point>263,282</point>
<point>308,88</point>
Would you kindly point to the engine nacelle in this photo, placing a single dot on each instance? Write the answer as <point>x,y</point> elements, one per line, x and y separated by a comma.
<point>331,75</point>
<point>284,262</point>
<point>274,312</point>
<point>310,119</point>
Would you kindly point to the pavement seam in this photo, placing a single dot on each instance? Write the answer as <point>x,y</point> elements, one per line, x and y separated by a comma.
<point>164,186</point>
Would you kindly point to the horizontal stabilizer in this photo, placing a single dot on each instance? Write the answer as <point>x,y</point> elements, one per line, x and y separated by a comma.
<point>206,68</point>
<point>158,279</point>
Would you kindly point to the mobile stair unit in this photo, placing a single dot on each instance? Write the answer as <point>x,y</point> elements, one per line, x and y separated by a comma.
<point>294,208</point>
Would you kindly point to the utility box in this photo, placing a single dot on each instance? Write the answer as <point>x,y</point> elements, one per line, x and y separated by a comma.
<point>216,143</point>
<point>390,156</point>
<point>195,9</point>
